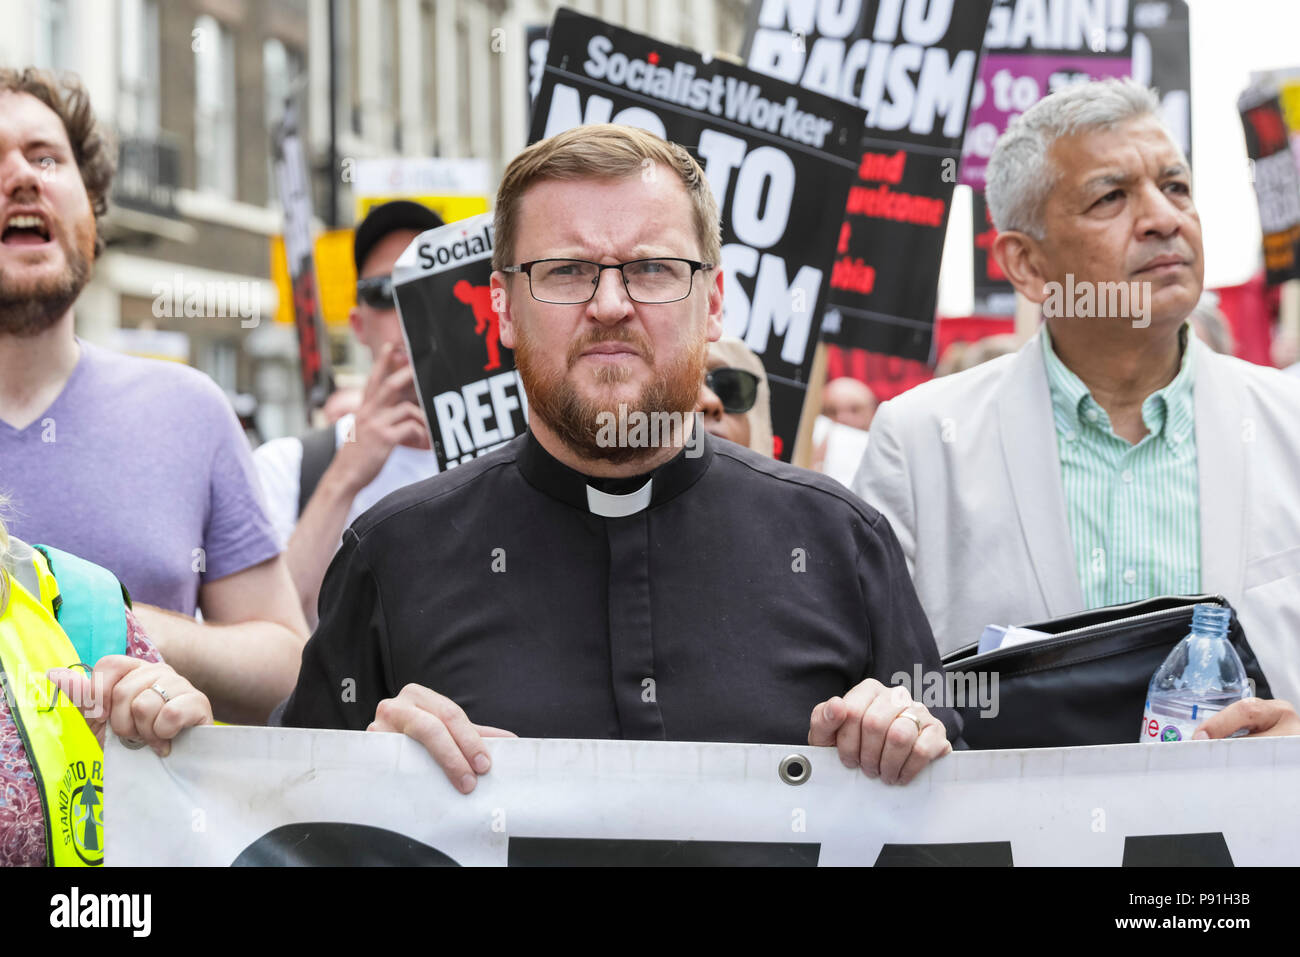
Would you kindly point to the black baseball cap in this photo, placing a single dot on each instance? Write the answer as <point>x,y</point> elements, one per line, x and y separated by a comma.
<point>387,218</point>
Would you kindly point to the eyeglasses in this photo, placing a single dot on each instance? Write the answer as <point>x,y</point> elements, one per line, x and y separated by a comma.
<point>568,282</point>
<point>376,292</point>
<point>736,389</point>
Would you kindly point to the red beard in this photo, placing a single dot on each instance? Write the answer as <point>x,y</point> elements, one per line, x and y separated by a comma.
<point>576,420</point>
<point>28,309</point>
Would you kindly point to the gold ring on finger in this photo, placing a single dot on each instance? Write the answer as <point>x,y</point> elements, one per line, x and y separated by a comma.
<point>911,717</point>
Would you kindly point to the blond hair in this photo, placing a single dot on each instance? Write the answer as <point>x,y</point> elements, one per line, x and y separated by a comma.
<point>602,151</point>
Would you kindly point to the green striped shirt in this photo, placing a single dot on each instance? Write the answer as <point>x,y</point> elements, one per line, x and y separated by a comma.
<point>1132,509</point>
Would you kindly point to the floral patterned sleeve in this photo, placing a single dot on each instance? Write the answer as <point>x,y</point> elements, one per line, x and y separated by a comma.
<point>138,644</point>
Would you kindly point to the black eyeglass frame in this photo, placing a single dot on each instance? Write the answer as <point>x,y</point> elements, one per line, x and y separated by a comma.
<point>380,287</point>
<point>709,380</point>
<point>527,270</point>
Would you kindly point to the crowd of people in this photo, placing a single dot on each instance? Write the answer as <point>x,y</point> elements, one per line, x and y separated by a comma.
<point>558,587</point>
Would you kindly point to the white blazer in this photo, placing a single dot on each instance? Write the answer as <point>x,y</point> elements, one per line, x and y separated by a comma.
<point>966,470</point>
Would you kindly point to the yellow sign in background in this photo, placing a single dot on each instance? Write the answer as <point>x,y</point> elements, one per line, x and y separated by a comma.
<point>450,208</point>
<point>1288,94</point>
<point>336,277</point>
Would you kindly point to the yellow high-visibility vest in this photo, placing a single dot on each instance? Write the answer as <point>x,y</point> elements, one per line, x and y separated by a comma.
<point>65,757</point>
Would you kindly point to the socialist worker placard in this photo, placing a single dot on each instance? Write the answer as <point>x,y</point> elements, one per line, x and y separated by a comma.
<point>471,395</point>
<point>779,159</point>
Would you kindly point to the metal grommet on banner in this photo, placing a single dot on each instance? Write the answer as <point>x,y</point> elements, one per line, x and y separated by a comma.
<point>131,744</point>
<point>795,769</point>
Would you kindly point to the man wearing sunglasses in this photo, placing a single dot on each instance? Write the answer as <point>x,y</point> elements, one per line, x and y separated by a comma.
<point>733,403</point>
<point>318,485</point>
<point>566,585</point>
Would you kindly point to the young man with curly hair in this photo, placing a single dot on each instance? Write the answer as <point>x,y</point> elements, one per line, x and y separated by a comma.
<point>136,465</point>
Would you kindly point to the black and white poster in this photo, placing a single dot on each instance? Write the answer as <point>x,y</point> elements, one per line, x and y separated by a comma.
<point>1162,58</point>
<point>911,64</point>
<point>535,47</point>
<point>290,165</point>
<point>779,159</point>
<point>472,397</point>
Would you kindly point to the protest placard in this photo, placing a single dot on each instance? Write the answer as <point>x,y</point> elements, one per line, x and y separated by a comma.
<point>471,394</point>
<point>778,158</point>
<point>912,66</point>
<point>290,165</point>
<point>1277,182</point>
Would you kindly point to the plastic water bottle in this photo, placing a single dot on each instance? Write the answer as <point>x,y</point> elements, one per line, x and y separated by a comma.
<point>1201,676</point>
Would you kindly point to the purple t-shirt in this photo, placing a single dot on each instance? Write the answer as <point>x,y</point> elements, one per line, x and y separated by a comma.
<point>140,466</point>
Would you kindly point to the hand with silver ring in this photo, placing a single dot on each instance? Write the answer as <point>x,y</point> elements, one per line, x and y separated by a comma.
<point>131,696</point>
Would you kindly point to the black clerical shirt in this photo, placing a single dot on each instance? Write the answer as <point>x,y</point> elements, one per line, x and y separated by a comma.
<point>719,598</point>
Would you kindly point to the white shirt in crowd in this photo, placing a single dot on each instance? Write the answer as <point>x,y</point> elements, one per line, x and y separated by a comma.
<point>279,465</point>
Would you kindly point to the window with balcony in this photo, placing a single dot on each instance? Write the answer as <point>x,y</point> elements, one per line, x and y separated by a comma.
<point>138,51</point>
<point>214,107</point>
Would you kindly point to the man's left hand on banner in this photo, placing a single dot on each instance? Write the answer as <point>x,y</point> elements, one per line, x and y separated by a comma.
<point>141,700</point>
<point>881,730</point>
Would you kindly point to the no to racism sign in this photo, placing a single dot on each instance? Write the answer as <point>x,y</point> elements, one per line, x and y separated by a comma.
<point>276,796</point>
<point>778,158</point>
<point>472,397</point>
<point>911,65</point>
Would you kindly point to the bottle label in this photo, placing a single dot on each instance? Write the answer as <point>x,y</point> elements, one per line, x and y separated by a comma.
<point>1161,728</point>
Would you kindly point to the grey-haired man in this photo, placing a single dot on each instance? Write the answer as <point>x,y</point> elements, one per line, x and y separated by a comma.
<point>1114,457</point>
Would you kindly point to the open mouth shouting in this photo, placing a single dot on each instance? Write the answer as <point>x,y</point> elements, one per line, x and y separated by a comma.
<point>25,229</point>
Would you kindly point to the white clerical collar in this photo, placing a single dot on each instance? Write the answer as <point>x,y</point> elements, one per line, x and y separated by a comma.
<point>618,506</point>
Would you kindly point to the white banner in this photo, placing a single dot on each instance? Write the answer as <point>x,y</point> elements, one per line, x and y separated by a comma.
<point>237,795</point>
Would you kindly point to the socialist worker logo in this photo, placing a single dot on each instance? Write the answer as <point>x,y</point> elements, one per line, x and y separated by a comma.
<point>486,322</point>
<point>81,810</point>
